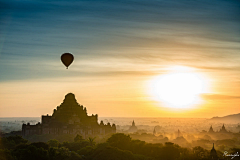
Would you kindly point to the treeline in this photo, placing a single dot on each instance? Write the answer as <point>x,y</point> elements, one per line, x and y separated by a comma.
<point>118,147</point>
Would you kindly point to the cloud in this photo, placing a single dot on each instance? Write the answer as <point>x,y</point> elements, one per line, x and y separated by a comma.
<point>146,34</point>
<point>219,97</point>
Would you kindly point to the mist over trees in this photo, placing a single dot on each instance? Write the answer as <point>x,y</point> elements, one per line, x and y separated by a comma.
<point>118,146</point>
<point>154,139</point>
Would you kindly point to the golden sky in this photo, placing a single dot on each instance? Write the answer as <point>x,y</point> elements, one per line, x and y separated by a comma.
<point>122,51</point>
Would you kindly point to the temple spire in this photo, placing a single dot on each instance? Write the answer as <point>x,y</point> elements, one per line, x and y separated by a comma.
<point>178,133</point>
<point>154,131</point>
<point>213,153</point>
<point>133,123</point>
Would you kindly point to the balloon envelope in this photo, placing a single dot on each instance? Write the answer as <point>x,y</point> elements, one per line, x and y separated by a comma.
<point>67,59</point>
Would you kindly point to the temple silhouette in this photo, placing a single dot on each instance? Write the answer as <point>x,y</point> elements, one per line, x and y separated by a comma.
<point>213,153</point>
<point>133,128</point>
<point>222,130</point>
<point>69,118</point>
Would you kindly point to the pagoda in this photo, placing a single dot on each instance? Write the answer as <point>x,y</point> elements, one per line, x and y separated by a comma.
<point>69,118</point>
<point>133,128</point>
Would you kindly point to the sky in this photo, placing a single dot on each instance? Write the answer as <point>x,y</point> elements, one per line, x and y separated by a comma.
<point>119,48</point>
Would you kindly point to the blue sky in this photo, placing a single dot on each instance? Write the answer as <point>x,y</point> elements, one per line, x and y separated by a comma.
<point>113,39</point>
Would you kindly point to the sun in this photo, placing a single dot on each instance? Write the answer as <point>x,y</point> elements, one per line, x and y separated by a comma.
<point>179,88</point>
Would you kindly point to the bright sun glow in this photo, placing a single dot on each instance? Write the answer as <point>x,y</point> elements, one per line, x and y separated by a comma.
<point>180,88</point>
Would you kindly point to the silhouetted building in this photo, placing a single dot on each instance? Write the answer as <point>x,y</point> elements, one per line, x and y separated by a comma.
<point>154,132</point>
<point>211,130</point>
<point>213,153</point>
<point>69,118</point>
<point>177,134</point>
<point>133,128</point>
<point>223,129</point>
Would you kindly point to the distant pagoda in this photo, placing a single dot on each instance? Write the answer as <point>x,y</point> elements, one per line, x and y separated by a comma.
<point>69,118</point>
<point>154,132</point>
<point>223,129</point>
<point>211,130</point>
<point>133,128</point>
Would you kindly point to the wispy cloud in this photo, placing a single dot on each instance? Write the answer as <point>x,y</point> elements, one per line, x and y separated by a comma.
<point>133,35</point>
<point>219,97</point>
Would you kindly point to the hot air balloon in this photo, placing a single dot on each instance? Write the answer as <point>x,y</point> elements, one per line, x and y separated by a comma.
<point>67,59</point>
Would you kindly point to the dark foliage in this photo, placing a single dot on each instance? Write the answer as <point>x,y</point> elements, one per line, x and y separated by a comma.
<point>118,147</point>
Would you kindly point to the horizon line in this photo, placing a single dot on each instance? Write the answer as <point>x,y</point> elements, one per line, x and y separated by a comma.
<point>121,117</point>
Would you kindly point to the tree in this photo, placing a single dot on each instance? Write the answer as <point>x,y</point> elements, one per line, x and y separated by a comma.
<point>53,143</point>
<point>11,142</point>
<point>63,154</point>
<point>31,152</point>
<point>78,138</point>
<point>52,153</point>
<point>40,145</point>
<point>17,139</point>
<point>86,151</point>
<point>5,154</point>
<point>91,141</point>
<point>112,153</point>
<point>200,153</point>
<point>75,156</point>
<point>119,140</point>
<point>169,152</point>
